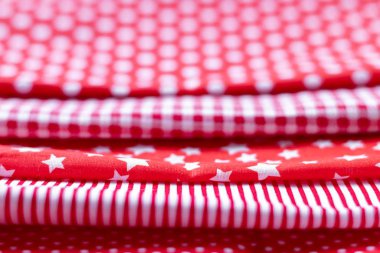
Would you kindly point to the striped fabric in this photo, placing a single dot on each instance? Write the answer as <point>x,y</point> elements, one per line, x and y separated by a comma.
<point>291,205</point>
<point>320,112</point>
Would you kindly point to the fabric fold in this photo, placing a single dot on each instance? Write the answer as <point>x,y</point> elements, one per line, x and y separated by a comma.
<point>319,112</point>
<point>94,49</point>
<point>197,161</point>
<point>294,205</point>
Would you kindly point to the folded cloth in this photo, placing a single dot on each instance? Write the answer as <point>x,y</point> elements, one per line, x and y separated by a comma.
<point>318,112</point>
<point>81,239</point>
<point>290,205</point>
<point>106,48</point>
<point>248,160</point>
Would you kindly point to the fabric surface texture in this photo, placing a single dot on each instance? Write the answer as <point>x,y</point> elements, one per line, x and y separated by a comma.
<point>189,126</point>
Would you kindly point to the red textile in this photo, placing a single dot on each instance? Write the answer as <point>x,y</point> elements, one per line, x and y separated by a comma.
<point>139,48</point>
<point>193,160</point>
<point>83,240</point>
<point>319,112</point>
<point>343,204</point>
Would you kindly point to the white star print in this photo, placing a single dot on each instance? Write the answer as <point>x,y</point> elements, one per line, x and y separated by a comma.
<point>221,161</point>
<point>221,176</point>
<point>265,170</point>
<point>54,163</point>
<point>191,166</point>
<point>191,151</point>
<point>309,162</point>
<point>92,154</point>
<point>141,149</point>
<point>245,158</point>
<point>132,162</point>
<point>102,149</point>
<point>353,144</point>
<point>5,173</point>
<point>289,154</point>
<point>118,177</point>
<point>323,144</point>
<point>234,148</point>
<point>27,149</point>
<point>351,157</point>
<point>337,176</point>
<point>377,147</point>
<point>377,165</point>
<point>175,159</point>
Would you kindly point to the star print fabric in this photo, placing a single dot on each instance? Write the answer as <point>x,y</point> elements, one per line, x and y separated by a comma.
<point>231,114</point>
<point>196,161</point>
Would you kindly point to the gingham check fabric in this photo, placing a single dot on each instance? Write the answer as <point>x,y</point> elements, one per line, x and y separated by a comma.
<point>318,112</point>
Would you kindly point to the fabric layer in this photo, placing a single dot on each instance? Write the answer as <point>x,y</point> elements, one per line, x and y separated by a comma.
<point>195,161</point>
<point>319,112</point>
<point>105,240</point>
<point>139,48</point>
<point>294,205</point>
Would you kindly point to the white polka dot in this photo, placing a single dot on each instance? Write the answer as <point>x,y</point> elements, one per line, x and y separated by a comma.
<point>312,81</point>
<point>264,86</point>
<point>361,77</point>
<point>41,32</point>
<point>120,90</point>
<point>71,89</point>
<point>216,87</point>
<point>23,85</point>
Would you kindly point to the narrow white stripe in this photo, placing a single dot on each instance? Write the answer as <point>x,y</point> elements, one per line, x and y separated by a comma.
<point>41,196</point>
<point>304,210</point>
<point>291,209</point>
<point>369,217</point>
<point>356,213</point>
<point>172,204</point>
<point>27,201</point>
<point>3,193</point>
<point>106,205</point>
<point>316,210</point>
<point>238,206</point>
<point>278,207</point>
<point>67,200</point>
<point>133,204</point>
<point>121,196</point>
<point>199,205</point>
<point>225,205</point>
<point>146,202</point>
<point>185,205</point>
<point>212,206</point>
<point>159,204</point>
<point>94,196</point>
<point>264,206</point>
<point>330,211</point>
<point>342,211</point>
<point>251,205</point>
<point>80,198</point>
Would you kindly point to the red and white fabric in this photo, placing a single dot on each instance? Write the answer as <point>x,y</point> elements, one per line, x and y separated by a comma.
<point>289,205</point>
<point>319,112</point>
<point>112,240</point>
<point>197,161</point>
<point>92,48</point>
<point>230,114</point>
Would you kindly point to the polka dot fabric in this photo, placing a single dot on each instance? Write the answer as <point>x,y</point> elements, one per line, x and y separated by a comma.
<point>83,240</point>
<point>138,48</point>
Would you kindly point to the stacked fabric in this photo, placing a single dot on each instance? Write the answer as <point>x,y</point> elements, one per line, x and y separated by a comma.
<point>190,114</point>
